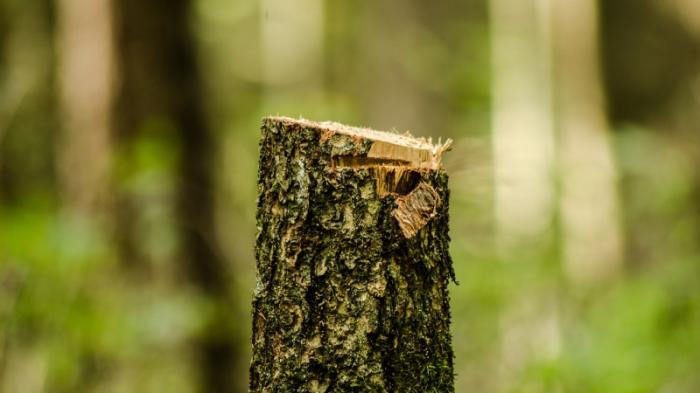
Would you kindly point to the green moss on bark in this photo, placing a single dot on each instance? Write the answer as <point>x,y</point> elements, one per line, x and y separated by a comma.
<point>344,302</point>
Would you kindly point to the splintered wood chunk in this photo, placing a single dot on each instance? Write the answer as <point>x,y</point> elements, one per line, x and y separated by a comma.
<point>416,209</point>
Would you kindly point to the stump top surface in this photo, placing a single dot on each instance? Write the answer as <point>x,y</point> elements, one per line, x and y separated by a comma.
<point>391,145</point>
<point>394,138</point>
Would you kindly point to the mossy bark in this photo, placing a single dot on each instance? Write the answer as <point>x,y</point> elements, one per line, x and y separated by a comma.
<point>347,300</point>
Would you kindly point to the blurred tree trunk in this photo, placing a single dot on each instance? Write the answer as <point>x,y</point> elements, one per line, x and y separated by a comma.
<point>160,81</point>
<point>27,164</point>
<point>651,60</point>
<point>592,241</point>
<point>689,13</point>
<point>650,55</point>
<point>85,84</point>
<point>523,138</point>
<point>523,154</point>
<point>26,80</point>
<point>85,92</point>
<point>292,54</point>
<point>390,97</point>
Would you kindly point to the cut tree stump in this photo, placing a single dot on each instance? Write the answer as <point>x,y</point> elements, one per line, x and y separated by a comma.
<point>352,262</point>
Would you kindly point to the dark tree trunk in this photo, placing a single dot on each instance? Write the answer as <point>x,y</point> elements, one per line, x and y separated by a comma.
<point>26,49</point>
<point>353,263</point>
<point>160,80</point>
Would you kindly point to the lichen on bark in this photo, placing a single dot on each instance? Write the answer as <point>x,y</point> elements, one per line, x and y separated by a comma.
<point>345,301</point>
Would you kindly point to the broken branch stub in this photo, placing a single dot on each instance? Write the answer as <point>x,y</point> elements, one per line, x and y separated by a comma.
<point>352,261</point>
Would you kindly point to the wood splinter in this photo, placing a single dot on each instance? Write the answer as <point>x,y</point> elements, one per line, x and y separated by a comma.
<point>352,262</point>
<point>416,209</point>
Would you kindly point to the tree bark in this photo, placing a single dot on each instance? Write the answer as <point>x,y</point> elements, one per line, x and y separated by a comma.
<point>352,262</point>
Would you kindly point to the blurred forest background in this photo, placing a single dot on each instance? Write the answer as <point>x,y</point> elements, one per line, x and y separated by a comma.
<point>128,159</point>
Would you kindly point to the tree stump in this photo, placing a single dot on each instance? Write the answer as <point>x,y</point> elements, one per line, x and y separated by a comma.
<point>352,262</point>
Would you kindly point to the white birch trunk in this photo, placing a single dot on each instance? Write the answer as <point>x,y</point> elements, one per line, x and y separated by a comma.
<point>522,121</point>
<point>589,207</point>
<point>523,153</point>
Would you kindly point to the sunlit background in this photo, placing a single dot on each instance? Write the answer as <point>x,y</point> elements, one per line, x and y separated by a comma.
<point>128,164</point>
